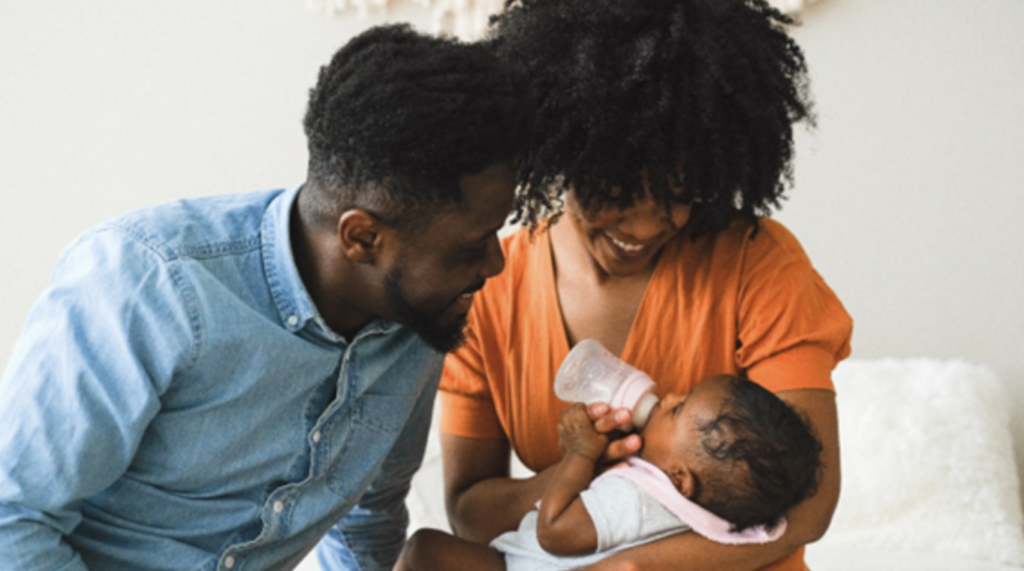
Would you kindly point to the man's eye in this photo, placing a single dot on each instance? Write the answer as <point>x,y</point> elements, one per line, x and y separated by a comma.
<point>677,408</point>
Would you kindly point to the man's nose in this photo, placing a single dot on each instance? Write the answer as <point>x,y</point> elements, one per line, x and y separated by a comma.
<point>495,262</point>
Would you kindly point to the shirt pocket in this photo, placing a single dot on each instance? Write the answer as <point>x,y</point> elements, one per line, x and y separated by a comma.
<point>374,427</point>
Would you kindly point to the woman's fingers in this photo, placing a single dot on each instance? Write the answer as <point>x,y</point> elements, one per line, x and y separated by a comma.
<point>618,450</point>
<point>597,410</point>
<point>607,419</point>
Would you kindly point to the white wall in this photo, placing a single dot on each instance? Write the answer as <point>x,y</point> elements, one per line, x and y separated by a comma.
<point>110,105</point>
<point>908,195</point>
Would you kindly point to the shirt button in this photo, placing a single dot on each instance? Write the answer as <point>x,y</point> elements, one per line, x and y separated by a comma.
<point>292,320</point>
<point>316,436</point>
<point>229,562</point>
<point>278,506</point>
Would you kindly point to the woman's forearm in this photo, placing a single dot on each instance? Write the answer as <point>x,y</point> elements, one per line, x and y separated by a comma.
<point>494,506</point>
<point>809,521</point>
<point>481,499</point>
<point>691,552</point>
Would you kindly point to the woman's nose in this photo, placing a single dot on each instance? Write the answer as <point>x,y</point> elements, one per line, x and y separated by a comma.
<point>643,222</point>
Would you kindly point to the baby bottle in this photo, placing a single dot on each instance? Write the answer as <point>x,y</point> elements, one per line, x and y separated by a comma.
<point>590,373</point>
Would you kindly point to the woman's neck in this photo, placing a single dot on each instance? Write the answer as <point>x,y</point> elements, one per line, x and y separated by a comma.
<point>594,303</point>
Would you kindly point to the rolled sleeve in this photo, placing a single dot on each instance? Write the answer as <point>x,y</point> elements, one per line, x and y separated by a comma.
<point>467,408</point>
<point>793,329</point>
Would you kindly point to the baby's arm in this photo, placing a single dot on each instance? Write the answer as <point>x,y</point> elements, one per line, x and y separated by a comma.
<point>564,526</point>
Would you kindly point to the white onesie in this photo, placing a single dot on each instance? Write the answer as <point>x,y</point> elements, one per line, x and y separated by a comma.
<point>629,505</point>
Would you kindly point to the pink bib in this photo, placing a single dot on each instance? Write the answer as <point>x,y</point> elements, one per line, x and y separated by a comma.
<point>655,482</point>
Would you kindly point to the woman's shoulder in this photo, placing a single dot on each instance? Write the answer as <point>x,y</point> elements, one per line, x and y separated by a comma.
<point>526,252</point>
<point>523,238</point>
<point>745,240</point>
<point>775,234</point>
<point>764,231</point>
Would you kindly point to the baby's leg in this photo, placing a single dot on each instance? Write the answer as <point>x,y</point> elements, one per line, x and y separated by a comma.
<point>435,550</point>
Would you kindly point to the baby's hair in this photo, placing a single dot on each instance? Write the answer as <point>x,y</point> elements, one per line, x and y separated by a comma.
<point>766,458</point>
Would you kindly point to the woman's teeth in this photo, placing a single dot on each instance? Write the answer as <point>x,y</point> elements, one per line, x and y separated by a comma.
<point>627,247</point>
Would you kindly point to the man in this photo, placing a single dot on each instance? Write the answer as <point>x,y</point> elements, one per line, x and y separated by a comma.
<point>215,383</point>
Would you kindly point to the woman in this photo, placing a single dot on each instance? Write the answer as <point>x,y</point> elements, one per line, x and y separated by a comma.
<point>664,133</point>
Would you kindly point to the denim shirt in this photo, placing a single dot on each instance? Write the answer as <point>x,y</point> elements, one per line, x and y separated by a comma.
<point>176,402</point>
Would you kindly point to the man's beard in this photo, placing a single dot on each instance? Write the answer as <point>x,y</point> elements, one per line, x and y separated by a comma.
<point>442,337</point>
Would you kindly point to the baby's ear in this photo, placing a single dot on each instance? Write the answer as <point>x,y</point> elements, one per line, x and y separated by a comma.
<point>683,479</point>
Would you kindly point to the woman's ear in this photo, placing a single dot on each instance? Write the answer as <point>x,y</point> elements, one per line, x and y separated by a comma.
<point>360,235</point>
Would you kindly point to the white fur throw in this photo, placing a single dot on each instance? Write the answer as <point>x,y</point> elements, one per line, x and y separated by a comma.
<point>927,461</point>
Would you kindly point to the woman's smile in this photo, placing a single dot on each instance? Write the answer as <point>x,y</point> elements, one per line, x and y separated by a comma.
<point>626,247</point>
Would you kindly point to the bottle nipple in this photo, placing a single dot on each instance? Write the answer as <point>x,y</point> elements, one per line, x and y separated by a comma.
<point>642,410</point>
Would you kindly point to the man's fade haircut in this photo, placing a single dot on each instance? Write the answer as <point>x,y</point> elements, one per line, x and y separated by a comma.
<point>397,118</point>
<point>765,457</point>
<point>633,87</point>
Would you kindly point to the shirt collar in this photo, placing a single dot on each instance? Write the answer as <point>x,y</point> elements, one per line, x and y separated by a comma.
<point>294,304</point>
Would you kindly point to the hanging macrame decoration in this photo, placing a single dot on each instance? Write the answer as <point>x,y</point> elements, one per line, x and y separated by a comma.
<point>465,19</point>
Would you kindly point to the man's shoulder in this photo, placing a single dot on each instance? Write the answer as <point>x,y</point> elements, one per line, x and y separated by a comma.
<point>196,227</point>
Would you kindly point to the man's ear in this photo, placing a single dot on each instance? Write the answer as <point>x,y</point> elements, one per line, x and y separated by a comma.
<point>361,235</point>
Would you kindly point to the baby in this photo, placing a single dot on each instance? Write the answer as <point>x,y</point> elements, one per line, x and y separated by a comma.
<point>726,461</point>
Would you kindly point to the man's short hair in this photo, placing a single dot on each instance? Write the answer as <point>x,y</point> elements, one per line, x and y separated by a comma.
<point>397,118</point>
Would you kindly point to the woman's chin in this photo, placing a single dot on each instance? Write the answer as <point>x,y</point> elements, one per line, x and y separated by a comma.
<point>621,263</point>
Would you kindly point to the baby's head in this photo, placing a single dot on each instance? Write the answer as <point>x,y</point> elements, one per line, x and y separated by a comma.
<point>734,448</point>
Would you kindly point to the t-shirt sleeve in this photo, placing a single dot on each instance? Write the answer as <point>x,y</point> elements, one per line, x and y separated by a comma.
<point>614,505</point>
<point>793,330</point>
<point>624,515</point>
<point>467,408</point>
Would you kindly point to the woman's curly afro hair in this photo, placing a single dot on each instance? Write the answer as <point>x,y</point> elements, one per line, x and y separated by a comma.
<point>703,89</point>
<point>398,117</point>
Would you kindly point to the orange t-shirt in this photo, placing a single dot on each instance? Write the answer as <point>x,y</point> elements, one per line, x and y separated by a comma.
<point>723,303</point>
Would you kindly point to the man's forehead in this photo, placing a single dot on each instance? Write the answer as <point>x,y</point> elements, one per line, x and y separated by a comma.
<point>487,196</point>
<point>468,225</point>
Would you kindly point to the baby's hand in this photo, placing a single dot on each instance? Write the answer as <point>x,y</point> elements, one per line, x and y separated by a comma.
<point>577,435</point>
<point>610,421</point>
